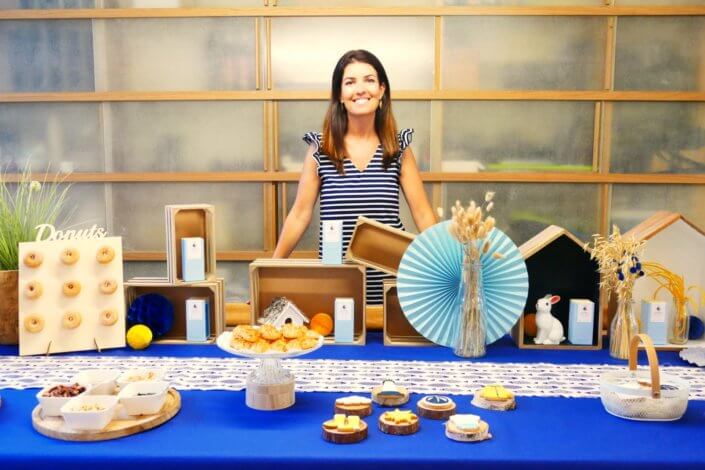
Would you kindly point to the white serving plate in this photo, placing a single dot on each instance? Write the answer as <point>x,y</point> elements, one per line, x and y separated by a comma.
<point>223,343</point>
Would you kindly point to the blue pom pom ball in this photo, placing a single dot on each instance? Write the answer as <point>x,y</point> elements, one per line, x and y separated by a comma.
<point>697,328</point>
<point>153,310</point>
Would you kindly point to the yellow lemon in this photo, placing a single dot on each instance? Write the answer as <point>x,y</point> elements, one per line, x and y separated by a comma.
<point>139,336</point>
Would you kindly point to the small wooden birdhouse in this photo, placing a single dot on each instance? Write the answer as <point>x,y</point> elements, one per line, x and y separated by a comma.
<point>677,244</point>
<point>558,264</point>
<point>281,312</point>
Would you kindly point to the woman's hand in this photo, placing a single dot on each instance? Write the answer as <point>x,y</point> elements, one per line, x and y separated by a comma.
<point>412,185</point>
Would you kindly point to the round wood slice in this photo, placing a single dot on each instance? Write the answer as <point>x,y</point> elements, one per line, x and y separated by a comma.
<point>504,405</point>
<point>452,432</point>
<point>434,414</point>
<point>390,400</point>
<point>389,427</point>
<point>338,437</point>
<point>354,410</point>
<point>54,426</point>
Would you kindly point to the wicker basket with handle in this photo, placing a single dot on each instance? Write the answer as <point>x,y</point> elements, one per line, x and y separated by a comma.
<point>8,308</point>
<point>644,395</point>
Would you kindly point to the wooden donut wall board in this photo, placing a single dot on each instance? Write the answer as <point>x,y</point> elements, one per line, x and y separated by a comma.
<point>53,304</point>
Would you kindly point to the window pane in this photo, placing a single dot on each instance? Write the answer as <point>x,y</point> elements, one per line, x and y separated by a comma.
<point>660,53</point>
<point>187,136</point>
<point>505,52</point>
<point>85,207</point>
<point>46,56</point>
<point>200,54</point>
<point>405,212</point>
<point>60,136</point>
<point>139,212</point>
<point>299,117</point>
<point>309,64</point>
<point>658,138</point>
<point>517,136</point>
<point>309,240</point>
<point>522,210</point>
<point>632,203</point>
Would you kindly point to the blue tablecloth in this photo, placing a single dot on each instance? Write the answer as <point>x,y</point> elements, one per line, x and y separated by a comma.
<point>216,429</point>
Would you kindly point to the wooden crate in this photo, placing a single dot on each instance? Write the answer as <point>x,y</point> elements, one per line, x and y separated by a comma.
<point>378,245</point>
<point>189,220</point>
<point>311,286</point>
<point>177,294</point>
<point>397,331</point>
<point>557,264</point>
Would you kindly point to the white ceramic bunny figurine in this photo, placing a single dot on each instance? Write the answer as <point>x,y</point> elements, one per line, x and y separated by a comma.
<point>550,330</point>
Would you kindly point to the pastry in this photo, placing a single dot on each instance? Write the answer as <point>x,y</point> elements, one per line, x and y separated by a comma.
<point>293,345</point>
<point>390,394</point>
<point>105,254</point>
<point>71,288</point>
<point>246,332</point>
<point>354,405</point>
<point>467,428</point>
<point>71,320</point>
<point>33,259</point>
<point>261,346</point>
<point>70,256</point>
<point>269,332</point>
<point>399,423</point>
<point>33,323</point>
<point>33,289</point>
<point>435,407</point>
<point>291,331</point>
<point>344,429</point>
<point>268,338</point>
<point>494,397</point>
<point>108,286</point>
<point>108,317</point>
<point>278,346</point>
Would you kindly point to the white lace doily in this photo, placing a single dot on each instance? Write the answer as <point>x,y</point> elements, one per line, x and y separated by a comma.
<point>694,356</point>
<point>461,378</point>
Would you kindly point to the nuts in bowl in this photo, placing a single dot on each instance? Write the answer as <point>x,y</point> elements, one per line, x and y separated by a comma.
<point>53,397</point>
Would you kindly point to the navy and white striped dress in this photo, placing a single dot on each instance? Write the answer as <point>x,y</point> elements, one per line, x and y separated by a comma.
<point>373,193</point>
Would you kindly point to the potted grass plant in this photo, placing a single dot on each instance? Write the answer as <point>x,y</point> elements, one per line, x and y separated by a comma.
<point>24,204</point>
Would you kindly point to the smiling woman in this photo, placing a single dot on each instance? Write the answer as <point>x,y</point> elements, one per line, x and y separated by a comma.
<point>358,164</point>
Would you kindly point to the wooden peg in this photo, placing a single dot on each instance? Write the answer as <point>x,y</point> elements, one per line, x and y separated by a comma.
<point>48,348</point>
<point>96,344</point>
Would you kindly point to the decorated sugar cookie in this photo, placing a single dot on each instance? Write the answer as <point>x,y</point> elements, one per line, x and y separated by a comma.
<point>354,405</point>
<point>343,429</point>
<point>398,422</point>
<point>390,394</point>
<point>467,428</point>
<point>494,397</point>
<point>435,407</point>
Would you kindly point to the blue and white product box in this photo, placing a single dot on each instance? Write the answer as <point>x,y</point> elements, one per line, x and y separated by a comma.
<point>581,321</point>
<point>332,241</point>
<point>653,320</point>
<point>197,319</point>
<point>344,310</point>
<point>193,259</point>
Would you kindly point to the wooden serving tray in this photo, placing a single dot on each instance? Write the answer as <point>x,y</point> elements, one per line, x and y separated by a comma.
<point>54,426</point>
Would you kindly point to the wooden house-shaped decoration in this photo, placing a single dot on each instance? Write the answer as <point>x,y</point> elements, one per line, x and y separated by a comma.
<point>557,264</point>
<point>679,245</point>
<point>281,312</point>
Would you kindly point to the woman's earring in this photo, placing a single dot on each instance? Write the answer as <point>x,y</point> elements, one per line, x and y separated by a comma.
<point>380,103</point>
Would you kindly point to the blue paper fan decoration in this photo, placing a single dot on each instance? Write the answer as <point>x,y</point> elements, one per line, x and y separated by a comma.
<point>153,310</point>
<point>429,276</point>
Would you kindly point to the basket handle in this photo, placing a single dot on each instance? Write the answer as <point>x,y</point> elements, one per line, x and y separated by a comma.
<point>652,357</point>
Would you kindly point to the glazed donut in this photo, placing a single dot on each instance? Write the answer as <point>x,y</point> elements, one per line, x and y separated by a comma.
<point>108,317</point>
<point>72,288</point>
<point>33,259</point>
<point>70,256</point>
<point>33,323</point>
<point>105,254</point>
<point>71,320</point>
<point>33,289</point>
<point>108,286</point>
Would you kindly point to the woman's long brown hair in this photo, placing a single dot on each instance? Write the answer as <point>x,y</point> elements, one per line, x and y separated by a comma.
<point>335,125</point>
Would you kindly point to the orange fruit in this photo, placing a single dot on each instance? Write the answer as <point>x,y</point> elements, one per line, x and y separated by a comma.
<point>322,323</point>
<point>530,324</point>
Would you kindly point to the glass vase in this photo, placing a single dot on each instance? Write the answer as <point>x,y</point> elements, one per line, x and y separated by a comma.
<point>622,328</point>
<point>470,331</point>
<point>679,323</point>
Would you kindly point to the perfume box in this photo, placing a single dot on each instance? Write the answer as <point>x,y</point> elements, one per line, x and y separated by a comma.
<point>581,321</point>
<point>653,320</point>
<point>193,264</point>
<point>197,316</point>
<point>344,309</point>
<point>332,241</point>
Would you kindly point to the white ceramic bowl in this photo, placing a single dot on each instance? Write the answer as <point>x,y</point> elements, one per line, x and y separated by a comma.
<point>101,381</point>
<point>100,410</point>
<point>153,396</point>
<point>51,406</point>
<point>140,375</point>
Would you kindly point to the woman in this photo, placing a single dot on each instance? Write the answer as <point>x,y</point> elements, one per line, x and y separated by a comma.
<point>358,163</point>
